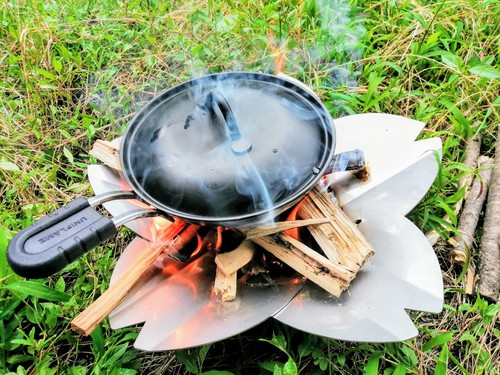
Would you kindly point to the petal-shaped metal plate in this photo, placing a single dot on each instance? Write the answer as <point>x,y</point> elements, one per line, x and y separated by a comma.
<point>388,142</point>
<point>179,309</point>
<point>404,273</point>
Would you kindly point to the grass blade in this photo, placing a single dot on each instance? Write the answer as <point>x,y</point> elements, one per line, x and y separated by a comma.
<point>34,289</point>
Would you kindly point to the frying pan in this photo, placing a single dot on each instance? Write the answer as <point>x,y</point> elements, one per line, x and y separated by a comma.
<point>229,149</point>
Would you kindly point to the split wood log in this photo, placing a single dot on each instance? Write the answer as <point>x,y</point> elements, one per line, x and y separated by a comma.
<point>228,265</point>
<point>88,320</point>
<point>472,151</point>
<point>462,244</point>
<point>340,239</point>
<point>232,261</point>
<point>178,248</point>
<point>331,277</point>
<point>282,226</point>
<point>225,285</point>
<point>489,251</point>
<point>107,152</point>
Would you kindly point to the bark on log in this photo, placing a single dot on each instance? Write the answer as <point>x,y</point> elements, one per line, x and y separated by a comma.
<point>489,251</point>
<point>463,244</point>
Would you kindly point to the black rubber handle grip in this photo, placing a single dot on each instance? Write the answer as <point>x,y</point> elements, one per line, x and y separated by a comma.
<point>58,239</point>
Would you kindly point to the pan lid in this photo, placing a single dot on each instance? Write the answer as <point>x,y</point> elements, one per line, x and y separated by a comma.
<point>228,146</point>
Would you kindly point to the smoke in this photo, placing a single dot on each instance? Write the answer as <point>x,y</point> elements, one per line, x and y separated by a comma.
<point>333,53</point>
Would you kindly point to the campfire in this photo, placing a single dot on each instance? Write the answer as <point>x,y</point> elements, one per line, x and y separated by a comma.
<point>335,252</point>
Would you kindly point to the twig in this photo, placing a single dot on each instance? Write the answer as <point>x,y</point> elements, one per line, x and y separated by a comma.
<point>489,251</point>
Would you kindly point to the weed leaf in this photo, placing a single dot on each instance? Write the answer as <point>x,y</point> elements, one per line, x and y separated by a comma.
<point>34,289</point>
<point>485,71</point>
<point>371,367</point>
<point>68,155</point>
<point>9,166</point>
<point>442,363</point>
<point>290,367</point>
<point>400,370</point>
<point>437,341</point>
<point>451,60</point>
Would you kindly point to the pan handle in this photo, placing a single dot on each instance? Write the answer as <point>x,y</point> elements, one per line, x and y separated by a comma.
<point>61,237</point>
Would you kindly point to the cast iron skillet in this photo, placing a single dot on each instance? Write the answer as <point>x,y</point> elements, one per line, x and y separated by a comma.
<point>231,149</point>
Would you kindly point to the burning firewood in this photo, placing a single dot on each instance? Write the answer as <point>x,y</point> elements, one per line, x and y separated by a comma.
<point>228,265</point>
<point>86,321</point>
<point>232,261</point>
<point>345,247</point>
<point>330,276</point>
<point>282,226</point>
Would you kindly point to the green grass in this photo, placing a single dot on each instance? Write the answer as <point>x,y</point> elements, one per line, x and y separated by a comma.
<point>72,72</point>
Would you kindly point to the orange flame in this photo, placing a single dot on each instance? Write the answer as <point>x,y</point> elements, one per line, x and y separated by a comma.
<point>293,216</point>
<point>218,244</point>
<point>278,51</point>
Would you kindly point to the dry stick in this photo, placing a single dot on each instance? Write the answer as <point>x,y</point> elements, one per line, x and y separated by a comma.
<point>489,251</point>
<point>471,156</point>
<point>88,320</point>
<point>470,214</point>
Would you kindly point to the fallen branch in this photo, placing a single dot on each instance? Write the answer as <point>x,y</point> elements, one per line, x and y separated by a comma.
<point>489,251</point>
<point>471,157</point>
<point>469,217</point>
